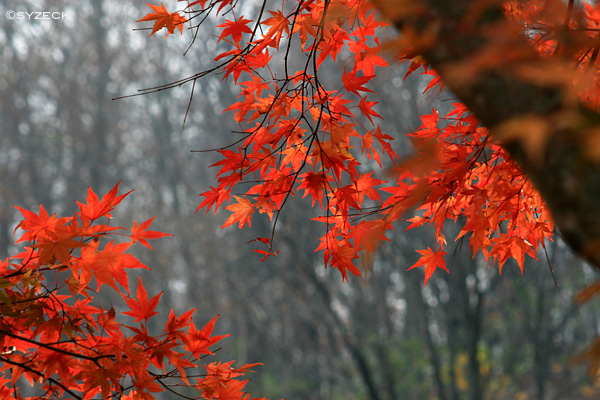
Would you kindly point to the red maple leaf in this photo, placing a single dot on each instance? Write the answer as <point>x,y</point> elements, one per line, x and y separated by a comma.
<point>142,309</point>
<point>234,28</point>
<point>368,234</point>
<point>95,209</point>
<point>176,324</point>
<point>314,184</point>
<point>242,212</point>
<point>214,196</point>
<point>431,260</point>
<point>140,233</point>
<point>367,59</point>
<point>57,248</point>
<point>162,18</point>
<point>278,23</point>
<point>197,342</point>
<point>366,108</point>
<point>354,84</point>
<point>36,226</point>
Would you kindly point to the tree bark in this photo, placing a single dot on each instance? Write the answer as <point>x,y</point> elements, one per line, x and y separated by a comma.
<point>457,34</point>
<point>434,356</point>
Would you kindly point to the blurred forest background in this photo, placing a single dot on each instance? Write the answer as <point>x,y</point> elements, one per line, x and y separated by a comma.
<point>471,334</point>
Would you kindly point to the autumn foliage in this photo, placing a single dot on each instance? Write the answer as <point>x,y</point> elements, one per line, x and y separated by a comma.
<point>304,137</point>
<point>320,140</point>
<point>55,335</point>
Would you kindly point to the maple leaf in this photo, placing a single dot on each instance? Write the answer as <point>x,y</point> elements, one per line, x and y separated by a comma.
<point>106,268</point>
<point>354,84</point>
<point>223,3</point>
<point>437,80</point>
<point>175,324</point>
<point>342,260</point>
<point>345,197</point>
<point>266,254</point>
<point>55,362</point>
<point>95,209</point>
<point>278,23</point>
<point>107,265</point>
<point>36,225</point>
<point>235,28</point>
<point>431,260</point>
<point>367,60</point>
<point>366,108</point>
<point>140,233</point>
<point>214,196</point>
<point>295,156</point>
<point>304,26</point>
<point>99,380</point>
<point>333,46</point>
<point>511,246</point>
<point>242,212</point>
<point>57,249</point>
<point>368,234</point>
<point>142,309</point>
<point>162,18</point>
<point>365,185</point>
<point>201,2</point>
<point>341,253</point>
<point>220,382</point>
<point>197,342</point>
<point>314,184</point>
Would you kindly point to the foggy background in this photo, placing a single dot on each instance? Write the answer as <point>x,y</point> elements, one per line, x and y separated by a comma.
<point>471,334</point>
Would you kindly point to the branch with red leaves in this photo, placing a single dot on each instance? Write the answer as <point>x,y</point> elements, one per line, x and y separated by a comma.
<point>55,336</point>
<point>537,92</point>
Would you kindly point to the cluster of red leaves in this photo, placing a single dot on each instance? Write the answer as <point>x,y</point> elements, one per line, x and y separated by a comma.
<point>474,181</point>
<point>55,336</point>
<point>303,135</point>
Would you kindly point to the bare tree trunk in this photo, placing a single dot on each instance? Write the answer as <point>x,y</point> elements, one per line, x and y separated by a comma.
<point>433,352</point>
<point>474,324</point>
<point>541,346</point>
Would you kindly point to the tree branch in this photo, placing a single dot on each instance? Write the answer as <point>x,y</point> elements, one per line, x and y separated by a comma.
<point>33,371</point>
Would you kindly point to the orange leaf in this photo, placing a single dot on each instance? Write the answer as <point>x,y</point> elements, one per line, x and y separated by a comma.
<point>431,260</point>
<point>176,324</point>
<point>354,84</point>
<point>141,307</point>
<point>214,196</point>
<point>162,18</point>
<point>242,212</point>
<point>368,234</point>
<point>57,249</point>
<point>314,184</point>
<point>366,109</point>
<point>140,233</point>
<point>278,23</point>
<point>95,209</point>
<point>36,226</point>
<point>234,28</point>
<point>197,341</point>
